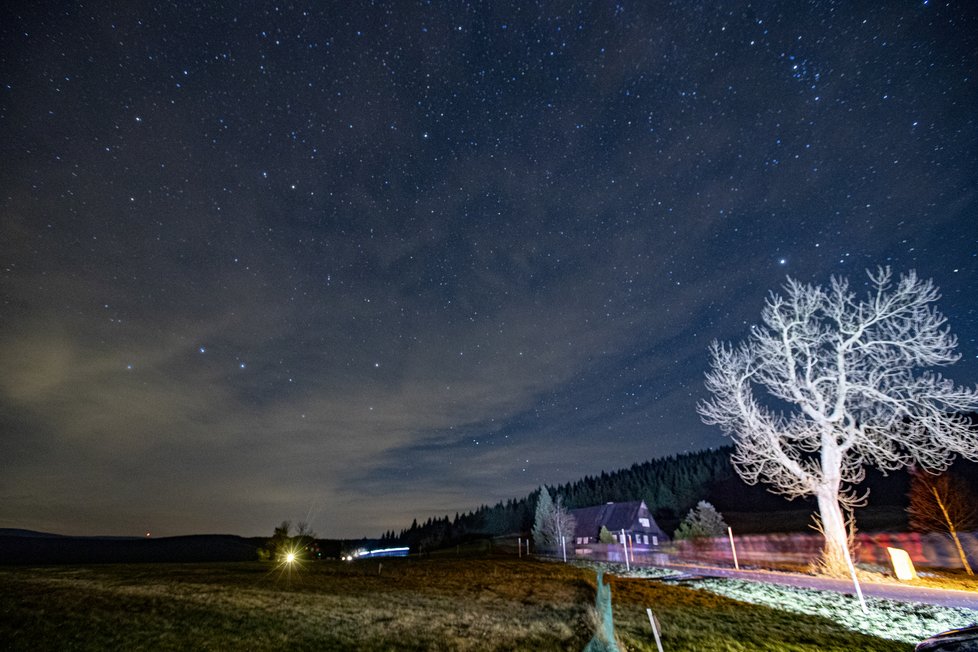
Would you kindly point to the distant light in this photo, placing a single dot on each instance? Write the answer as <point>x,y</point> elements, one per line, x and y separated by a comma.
<point>382,552</point>
<point>290,558</point>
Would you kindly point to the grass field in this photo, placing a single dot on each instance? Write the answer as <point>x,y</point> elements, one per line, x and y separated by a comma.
<point>407,604</point>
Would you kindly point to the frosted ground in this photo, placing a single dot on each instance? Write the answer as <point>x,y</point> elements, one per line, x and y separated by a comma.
<point>908,622</point>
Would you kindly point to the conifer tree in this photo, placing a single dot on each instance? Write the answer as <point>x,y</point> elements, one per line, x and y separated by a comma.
<point>701,521</point>
<point>542,533</point>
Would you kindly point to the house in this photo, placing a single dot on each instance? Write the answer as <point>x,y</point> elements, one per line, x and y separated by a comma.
<point>632,517</point>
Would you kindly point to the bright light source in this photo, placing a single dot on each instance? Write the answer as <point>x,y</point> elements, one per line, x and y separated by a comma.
<point>902,564</point>
<point>290,558</point>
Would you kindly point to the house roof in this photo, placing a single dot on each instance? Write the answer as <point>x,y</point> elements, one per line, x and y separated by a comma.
<point>615,517</point>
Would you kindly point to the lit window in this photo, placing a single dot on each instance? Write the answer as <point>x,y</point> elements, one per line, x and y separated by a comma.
<point>644,522</point>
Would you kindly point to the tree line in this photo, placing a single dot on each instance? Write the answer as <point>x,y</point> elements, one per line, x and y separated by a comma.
<point>670,486</point>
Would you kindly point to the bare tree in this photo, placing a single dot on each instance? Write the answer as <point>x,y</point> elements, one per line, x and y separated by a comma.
<point>845,392</point>
<point>303,533</point>
<point>942,503</point>
<point>564,523</point>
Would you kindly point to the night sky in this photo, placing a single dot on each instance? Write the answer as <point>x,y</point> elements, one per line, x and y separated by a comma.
<point>356,263</point>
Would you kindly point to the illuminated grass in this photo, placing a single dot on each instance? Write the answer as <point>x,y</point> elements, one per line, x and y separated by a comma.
<point>430,604</point>
<point>699,620</point>
<point>901,621</point>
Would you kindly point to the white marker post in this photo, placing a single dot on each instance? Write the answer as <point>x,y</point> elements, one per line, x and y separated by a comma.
<point>519,547</point>
<point>855,580</point>
<point>733,548</point>
<point>563,545</point>
<point>624,542</point>
<point>655,629</point>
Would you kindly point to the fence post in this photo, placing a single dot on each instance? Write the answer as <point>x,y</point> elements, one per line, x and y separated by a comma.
<point>624,542</point>
<point>733,548</point>
<point>655,629</point>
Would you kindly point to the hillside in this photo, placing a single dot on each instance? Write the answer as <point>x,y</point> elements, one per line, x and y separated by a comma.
<point>670,486</point>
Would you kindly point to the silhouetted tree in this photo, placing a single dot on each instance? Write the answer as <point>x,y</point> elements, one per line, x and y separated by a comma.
<point>942,503</point>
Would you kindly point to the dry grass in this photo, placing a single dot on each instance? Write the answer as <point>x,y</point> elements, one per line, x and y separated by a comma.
<point>421,605</point>
<point>945,579</point>
<point>427,604</point>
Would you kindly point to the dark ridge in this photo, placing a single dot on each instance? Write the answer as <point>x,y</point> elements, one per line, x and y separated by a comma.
<point>54,549</point>
<point>18,532</point>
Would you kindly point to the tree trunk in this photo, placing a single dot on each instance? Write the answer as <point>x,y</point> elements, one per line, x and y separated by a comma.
<point>961,553</point>
<point>833,526</point>
<point>952,529</point>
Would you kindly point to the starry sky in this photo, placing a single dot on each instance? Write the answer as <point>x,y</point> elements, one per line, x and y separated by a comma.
<point>356,263</point>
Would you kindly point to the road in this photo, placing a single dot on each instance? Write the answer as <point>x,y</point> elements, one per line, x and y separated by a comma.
<point>902,592</point>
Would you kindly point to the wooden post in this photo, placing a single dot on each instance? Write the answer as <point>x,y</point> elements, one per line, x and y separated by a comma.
<point>655,629</point>
<point>733,548</point>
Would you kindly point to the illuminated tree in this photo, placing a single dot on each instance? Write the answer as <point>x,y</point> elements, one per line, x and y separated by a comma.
<point>847,388</point>
<point>552,522</point>
<point>942,503</point>
<point>542,536</point>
